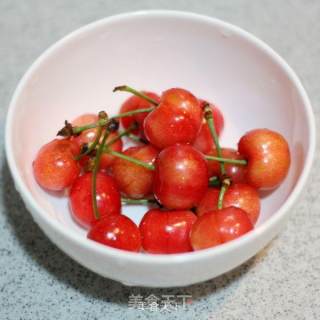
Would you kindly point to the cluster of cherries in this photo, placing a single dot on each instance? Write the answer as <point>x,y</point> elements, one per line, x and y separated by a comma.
<point>202,195</point>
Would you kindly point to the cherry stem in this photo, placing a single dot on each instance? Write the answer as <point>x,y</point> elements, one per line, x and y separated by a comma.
<point>94,175</point>
<point>131,159</point>
<point>103,122</point>
<point>209,118</point>
<point>225,185</point>
<point>131,113</point>
<point>214,181</point>
<point>136,93</point>
<point>137,201</point>
<point>226,160</point>
<point>99,123</point>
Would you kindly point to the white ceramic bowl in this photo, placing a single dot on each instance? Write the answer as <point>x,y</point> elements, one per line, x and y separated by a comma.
<point>156,50</point>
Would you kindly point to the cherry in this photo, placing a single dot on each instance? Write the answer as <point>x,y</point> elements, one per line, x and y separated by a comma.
<point>108,198</point>
<point>205,232</point>
<point>54,166</point>
<point>133,180</point>
<point>238,195</point>
<point>219,226</point>
<point>117,231</point>
<point>204,142</point>
<point>106,159</point>
<point>181,177</point>
<point>268,158</point>
<point>233,222</point>
<point>166,231</point>
<point>89,135</point>
<point>135,103</point>
<point>177,119</point>
<point>235,172</point>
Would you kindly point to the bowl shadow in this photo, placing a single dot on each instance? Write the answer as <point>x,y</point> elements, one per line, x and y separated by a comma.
<point>66,270</point>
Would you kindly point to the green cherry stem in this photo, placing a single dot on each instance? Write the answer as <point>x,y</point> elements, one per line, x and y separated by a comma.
<point>131,113</point>
<point>94,175</point>
<point>99,123</point>
<point>209,118</point>
<point>136,93</point>
<point>225,185</point>
<point>131,159</point>
<point>226,160</point>
<point>137,201</point>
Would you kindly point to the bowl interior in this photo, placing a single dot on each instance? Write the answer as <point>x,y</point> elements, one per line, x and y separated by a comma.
<point>213,60</point>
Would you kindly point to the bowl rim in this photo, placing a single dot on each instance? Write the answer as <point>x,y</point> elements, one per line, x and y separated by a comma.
<point>161,259</point>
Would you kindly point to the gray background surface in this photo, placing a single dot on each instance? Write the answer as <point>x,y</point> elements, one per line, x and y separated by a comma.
<point>37,281</point>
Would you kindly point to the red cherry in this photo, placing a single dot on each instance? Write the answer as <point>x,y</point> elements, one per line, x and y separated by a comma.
<point>238,195</point>
<point>219,226</point>
<point>204,142</point>
<point>205,232</point>
<point>177,119</point>
<point>116,231</point>
<point>133,180</point>
<point>268,157</point>
<point>235,172</point>
<point>54,166</point>
<point>166,231</point>
<point>108,198</point>
<point>233,222</point>
<point>136,103</point>
<point>89,135</point>
<point>107,159</point>
<point>181,177</point>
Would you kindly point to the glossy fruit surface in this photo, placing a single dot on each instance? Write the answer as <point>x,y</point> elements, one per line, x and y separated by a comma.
<point>268,157</point>
<point>238,195</point>
<point>181,177</point>
<point>135,103</point>
<point>177,119</point>
<point>219,226</point>
<point>133,180</point>
<point>89,135</point>
<point>204,142</point>
<point>233,222</point>
<point>235,172</point>
<point>108,198</point>
<point>55,167</point>
<point>166,231</point>
<point>117,231</point>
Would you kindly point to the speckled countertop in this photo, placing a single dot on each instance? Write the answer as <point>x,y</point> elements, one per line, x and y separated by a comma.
<point>37,281</point>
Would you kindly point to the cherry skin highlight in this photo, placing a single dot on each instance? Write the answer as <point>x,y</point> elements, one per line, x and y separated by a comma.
<point>204,142</point>
<point>55,167</point>
<point>135,181</point>
<point>117,231</point>
<point>238,195</point>
<point>237,173</point>
<point>177,119</point>
<point>166,231</point>
<point>108,198</point>
<point>181,177</point>
<point>136,103</point>
<point>268,158</point>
